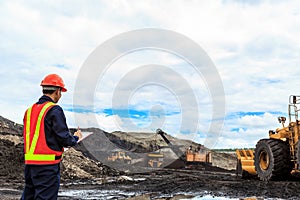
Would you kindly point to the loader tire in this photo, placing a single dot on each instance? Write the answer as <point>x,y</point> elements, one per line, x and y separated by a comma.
<point>272,159</point>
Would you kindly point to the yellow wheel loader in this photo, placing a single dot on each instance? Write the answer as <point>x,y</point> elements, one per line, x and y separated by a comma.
<point>155,160</point>
<point>277,157</point>
<point>119,156</point>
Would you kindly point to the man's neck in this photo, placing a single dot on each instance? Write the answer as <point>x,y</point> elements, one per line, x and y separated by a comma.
<point>51,96</point>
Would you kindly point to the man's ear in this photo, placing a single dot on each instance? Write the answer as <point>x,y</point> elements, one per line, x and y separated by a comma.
<point>57,91</point>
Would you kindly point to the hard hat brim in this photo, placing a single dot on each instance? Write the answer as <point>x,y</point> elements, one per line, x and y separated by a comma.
<point>63,89</point>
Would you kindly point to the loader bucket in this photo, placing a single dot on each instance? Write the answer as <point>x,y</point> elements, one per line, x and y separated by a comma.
<point>245,165</point>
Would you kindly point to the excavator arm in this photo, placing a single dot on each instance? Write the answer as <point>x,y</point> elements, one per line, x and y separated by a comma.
<point>174,148</point>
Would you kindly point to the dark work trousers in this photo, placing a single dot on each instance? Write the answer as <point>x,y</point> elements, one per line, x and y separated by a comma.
<point>41,182</point>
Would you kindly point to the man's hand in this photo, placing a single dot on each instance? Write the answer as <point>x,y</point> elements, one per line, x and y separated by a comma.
<point>78,134</point>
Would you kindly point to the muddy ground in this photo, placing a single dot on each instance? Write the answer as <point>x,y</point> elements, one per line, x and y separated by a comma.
<point>168,184</point>
<point>85,178</point>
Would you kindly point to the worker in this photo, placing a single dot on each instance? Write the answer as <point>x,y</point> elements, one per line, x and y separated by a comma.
<point>45,136</point>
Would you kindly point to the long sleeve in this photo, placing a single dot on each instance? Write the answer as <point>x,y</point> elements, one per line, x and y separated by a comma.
<point>57,131</point>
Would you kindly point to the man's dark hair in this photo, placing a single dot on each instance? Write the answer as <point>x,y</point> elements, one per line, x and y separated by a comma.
<point>49,89</point>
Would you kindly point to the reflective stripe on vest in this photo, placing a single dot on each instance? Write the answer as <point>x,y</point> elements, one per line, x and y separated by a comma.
<point>30,147</point>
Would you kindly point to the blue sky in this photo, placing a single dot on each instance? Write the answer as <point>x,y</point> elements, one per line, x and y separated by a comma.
<point>254,46</point>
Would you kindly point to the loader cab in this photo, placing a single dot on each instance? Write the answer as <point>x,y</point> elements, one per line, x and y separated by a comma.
<point>294,101</point>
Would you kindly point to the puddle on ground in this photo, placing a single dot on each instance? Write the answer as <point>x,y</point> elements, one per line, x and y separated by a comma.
<point>118,194</point>
<point>94,194</point>
<point>209,197</point>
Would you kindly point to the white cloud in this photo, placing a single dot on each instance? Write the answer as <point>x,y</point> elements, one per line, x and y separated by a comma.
<point>85,120</point>
<point>255,121</point>
<point>246,130</point>
<point>255,47</point>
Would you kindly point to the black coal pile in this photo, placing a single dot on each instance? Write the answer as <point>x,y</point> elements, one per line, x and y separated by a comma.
<point>11,159</point>
<point>8,127</point>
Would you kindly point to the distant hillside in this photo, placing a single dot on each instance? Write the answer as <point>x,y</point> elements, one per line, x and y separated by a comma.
<point>147,142</point>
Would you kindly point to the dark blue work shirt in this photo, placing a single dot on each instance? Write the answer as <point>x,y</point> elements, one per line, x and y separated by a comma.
<point>56,129</point>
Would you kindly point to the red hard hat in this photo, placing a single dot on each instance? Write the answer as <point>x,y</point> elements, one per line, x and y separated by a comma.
<point>54,80</point>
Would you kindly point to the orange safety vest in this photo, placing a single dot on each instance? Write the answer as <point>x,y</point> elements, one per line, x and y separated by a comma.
<point>36,149</point>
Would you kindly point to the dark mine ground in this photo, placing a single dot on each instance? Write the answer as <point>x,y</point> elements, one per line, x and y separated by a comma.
<point>85,178</point>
